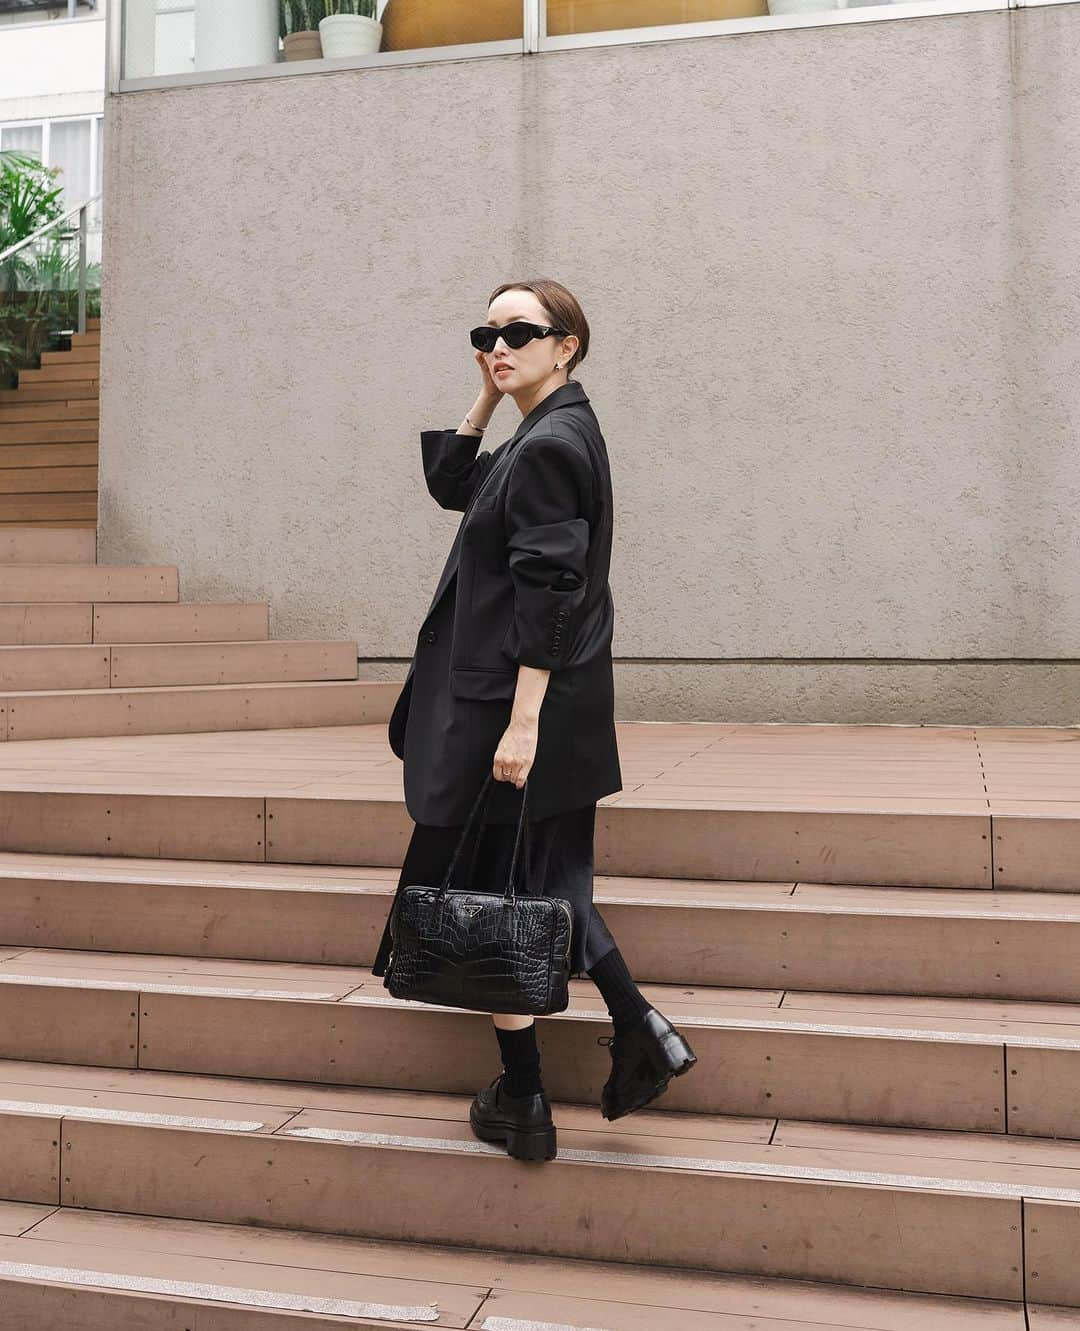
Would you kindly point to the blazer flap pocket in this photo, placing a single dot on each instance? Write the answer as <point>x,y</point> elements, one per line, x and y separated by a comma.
<point>483,685</point>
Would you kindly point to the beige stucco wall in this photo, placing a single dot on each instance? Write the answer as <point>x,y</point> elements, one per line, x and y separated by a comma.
<point>830,274</point>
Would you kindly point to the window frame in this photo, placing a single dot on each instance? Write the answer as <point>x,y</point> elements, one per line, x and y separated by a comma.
<point>96,121</point>
<point>536,41</point>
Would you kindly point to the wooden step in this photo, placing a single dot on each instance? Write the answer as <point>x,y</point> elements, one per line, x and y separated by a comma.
<point>47,481</point>
<point>31,392</point>
<point>79,353</point>
<point>56,524</point>
<point>88,582</point>
<point>188,621</point>
<point>127,622</point>
<point>171,621</point>
<point>32,545</point>
<point>789,833</point>
<point>61,411</point>
<point>962,1065</point>
<point>76,506</point>
<point>46,468</point>
<point>182,709</point>
<point>890,941</point>
<point>140,1265</point>
<point>105,665</point>
<point>68,371</point>
<point>45,432</point>
<point>765,1197</point>
<point>801,828</point>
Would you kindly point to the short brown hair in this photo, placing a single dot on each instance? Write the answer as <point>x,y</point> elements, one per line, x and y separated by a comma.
<point>562,307</point>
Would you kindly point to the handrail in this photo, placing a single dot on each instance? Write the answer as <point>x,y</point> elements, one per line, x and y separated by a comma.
<point>81,209</point>
<point>47,226</point>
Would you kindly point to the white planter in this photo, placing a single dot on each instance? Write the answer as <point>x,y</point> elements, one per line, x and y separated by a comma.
<point>349,34</point>
<point>801,6</point>
<point>235,34</point>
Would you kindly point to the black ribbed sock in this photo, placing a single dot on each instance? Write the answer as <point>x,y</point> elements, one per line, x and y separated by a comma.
<point>521,1059</point>
<point>624,999</point>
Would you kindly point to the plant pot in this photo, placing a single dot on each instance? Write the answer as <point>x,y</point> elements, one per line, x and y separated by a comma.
<point>236,35</point>
<point>801,6</point>
<point>349,34</point>
<point>305,45</point>
<point>413,25</point>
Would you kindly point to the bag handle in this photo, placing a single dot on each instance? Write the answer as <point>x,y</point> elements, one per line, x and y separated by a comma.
<point>479,809</point>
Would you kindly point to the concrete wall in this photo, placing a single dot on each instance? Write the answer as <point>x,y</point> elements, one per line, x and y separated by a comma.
<point>52,68</point>
<point>830,274</point>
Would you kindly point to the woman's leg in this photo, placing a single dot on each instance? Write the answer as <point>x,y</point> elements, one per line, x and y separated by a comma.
<point>606,967</point>
<point>516,1034</point>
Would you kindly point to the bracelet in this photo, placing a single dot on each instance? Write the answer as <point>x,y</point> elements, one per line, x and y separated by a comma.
<point>481,428</point>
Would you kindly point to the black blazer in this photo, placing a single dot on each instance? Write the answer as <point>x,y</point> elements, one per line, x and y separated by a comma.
<point>527,582</point>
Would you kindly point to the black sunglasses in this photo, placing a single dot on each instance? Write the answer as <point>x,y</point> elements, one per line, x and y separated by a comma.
<point>514,334</point>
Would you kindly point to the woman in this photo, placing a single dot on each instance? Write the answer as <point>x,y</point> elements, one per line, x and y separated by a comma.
<point>512,676</point>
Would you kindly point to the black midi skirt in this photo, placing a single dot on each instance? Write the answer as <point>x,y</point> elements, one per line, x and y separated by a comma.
<point>560,865</point>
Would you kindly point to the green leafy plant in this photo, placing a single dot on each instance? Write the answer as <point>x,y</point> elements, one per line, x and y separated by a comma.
<point>364,8</point>
<point>299,15</point>
<point>39,284</point>
<point>29,196</point>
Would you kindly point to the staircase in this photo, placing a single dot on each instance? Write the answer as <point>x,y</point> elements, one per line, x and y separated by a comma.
<point>212,1115</point>
<point>49,438</point>
<point>110,649</point>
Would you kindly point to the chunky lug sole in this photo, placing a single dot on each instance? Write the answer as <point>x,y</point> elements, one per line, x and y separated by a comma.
<point>671,1058</point>
<point>521,1143</point>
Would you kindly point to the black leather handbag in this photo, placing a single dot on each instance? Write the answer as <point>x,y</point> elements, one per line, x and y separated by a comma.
<point>478,947</point>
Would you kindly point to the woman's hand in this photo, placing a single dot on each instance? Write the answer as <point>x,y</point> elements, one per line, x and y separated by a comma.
<point>516,752</point>
<point>491,389</point>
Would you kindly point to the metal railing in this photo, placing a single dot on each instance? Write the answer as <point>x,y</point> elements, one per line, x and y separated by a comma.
<point>56,224</point>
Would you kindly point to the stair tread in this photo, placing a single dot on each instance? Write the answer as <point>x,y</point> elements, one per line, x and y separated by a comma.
<point>562,1292</point>
<point>360,749</point>
<point>972,1020</point>
<point>674,893</point>
<point>186,688</point>
<point>264,644</point>
<point>997,1164</point>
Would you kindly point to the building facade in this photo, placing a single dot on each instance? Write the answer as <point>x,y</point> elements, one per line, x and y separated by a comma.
<point>828,259</point>
<point>52,92</point>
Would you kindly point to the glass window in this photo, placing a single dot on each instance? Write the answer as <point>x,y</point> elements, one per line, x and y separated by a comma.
<point>162,37</point>
<point>22,139</point>
<point>566,18</point>
<point>69,149</point>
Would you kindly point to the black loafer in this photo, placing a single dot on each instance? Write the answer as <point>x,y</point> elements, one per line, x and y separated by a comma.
<point>643,1061</point>
<point>523,1122</point>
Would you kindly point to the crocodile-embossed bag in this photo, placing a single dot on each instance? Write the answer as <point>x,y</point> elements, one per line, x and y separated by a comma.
<point>479,946</point>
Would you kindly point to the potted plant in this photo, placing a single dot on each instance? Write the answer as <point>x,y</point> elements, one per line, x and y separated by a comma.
<point>805,6</point>
<point>299,28</point>
<point>350,28</point>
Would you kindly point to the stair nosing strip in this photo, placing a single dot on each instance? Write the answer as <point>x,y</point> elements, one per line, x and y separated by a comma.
<point>706,1164</point>
<point>220,1293</point>
<point>40,1109</point>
